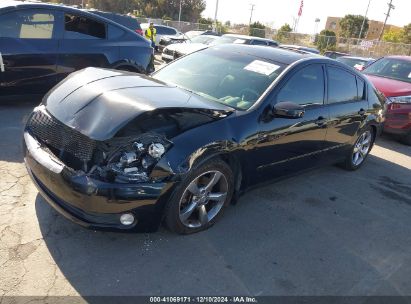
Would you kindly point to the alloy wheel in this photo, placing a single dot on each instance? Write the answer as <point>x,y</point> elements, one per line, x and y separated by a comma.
<point>361,148</point>
<point>203,199</point>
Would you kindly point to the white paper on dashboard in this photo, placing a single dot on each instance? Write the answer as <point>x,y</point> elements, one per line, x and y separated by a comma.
<point>262,67</point>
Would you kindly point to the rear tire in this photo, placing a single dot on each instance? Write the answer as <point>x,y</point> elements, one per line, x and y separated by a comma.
<point>360,150</point>
<point>200,199</point>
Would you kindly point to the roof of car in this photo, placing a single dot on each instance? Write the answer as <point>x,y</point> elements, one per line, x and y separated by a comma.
<point>37,4</point>
<point>299,47</point>
<point>268,53</point>
<point>33,3</point>
<point>246,37</point>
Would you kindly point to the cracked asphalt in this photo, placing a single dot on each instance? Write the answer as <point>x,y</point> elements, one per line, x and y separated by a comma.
<point>325,232</point>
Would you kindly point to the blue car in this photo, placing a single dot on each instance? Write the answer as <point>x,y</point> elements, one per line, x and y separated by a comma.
<point>40,44</point>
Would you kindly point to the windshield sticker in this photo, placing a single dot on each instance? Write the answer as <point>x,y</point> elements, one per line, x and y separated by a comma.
<point>239,41</point>
<point>409,75</point>
<point>262,67</point>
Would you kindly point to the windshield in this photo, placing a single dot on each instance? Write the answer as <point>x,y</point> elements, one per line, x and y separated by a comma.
<point>393,68</point>
<point>233,79</point>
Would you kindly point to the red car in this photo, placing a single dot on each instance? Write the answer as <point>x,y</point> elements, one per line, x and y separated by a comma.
<point>392,76</point>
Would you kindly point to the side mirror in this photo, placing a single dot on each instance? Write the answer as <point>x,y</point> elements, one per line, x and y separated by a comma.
<point>287,109</point>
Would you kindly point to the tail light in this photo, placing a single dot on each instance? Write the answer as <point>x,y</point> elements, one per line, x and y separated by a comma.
<point>139,31</point>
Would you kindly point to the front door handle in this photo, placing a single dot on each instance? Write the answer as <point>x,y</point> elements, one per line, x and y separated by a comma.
<point>1,64</point>
<point>321,121</point>
<point>361,112</point>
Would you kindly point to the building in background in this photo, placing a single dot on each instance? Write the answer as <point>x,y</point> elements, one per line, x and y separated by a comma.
<point>374,29</point>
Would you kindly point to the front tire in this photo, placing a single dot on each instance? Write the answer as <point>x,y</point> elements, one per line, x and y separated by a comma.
<point>360,150</point>
<point>200,199</point>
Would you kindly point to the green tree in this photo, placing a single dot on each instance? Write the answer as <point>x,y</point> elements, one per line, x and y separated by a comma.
<point>393,35</point>
<point>257,29</point>
<point>406,38</point>
<point>350,26</point>
<point>326,40</point>
<point>283,32</point>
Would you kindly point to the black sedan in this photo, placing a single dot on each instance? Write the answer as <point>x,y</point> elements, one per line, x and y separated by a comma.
<point>117,150</point>
<point>40,44</point>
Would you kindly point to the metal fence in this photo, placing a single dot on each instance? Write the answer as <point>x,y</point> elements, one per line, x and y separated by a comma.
<point>355,47</point>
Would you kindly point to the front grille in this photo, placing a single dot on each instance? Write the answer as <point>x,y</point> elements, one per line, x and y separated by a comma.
<point>55,134</point>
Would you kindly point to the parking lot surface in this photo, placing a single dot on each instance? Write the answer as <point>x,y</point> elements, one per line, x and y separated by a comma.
<point>325,232</point>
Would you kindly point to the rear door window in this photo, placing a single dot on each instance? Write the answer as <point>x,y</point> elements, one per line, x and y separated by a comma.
<point>81,27</point>
<point>342,85</point>
<point>28,24</point>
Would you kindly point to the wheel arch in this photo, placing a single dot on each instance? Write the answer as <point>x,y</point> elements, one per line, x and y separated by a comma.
<point>129,65</point>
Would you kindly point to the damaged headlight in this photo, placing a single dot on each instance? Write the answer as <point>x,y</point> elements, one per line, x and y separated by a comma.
<point>132,162</point>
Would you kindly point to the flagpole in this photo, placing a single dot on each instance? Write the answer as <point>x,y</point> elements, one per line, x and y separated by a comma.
<point>300,12</point>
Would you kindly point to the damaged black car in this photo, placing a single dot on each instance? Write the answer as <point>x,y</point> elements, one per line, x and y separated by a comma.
<point>121,151</point>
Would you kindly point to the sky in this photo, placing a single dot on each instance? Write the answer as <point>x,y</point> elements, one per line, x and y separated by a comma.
<point>277,12</point>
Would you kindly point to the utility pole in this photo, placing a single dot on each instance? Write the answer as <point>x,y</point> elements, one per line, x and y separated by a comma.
<point>365,17</point>
<point>251,15</point>
<point>390,7</point>
<point>316,21</point>
<point>215,17</point>
<point>179,14</point>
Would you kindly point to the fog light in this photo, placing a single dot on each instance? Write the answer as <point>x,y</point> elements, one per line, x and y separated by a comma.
<point>127,219</point>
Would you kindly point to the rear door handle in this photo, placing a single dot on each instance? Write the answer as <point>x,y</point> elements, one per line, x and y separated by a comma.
<point>361,112</point>
<point>1,64</point>
<point>321,121</point>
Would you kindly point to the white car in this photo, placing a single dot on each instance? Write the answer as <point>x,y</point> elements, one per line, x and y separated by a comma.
<point>174,51</point>
<point>162,30</point>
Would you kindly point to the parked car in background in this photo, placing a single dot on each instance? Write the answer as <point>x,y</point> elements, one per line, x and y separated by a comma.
<point>182,144</point>
<point>359,63</point>
<point>244,39</point>
<point>167,40</point>
<point>40,44</point>
<point>162,30</point>
<point>127,21</point>
<point>299,48</point>
<point>334,54</point>
<point>392,76</point>
<point>177,50</point>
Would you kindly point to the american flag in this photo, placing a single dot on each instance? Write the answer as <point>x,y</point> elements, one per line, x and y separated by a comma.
<point>300,11</point>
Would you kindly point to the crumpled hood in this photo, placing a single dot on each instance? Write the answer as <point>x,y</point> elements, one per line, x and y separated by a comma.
<point>99,102</point>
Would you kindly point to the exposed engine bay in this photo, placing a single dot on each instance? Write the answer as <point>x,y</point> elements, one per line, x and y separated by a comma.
<point>125,160</point>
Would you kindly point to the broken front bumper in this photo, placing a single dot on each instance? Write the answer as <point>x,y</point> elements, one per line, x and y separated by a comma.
<point>92,203</point>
